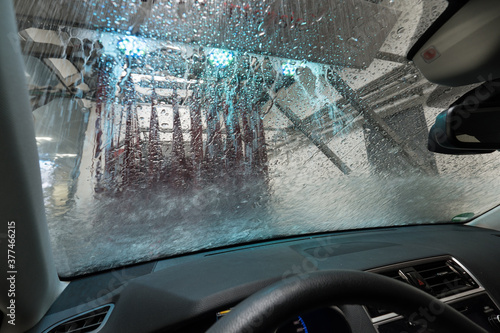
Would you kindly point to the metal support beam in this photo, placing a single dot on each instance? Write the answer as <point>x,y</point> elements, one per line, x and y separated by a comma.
<point>314,139</point>
<point>391,57</point>
<point>378,122</point>
<point>376,89</point>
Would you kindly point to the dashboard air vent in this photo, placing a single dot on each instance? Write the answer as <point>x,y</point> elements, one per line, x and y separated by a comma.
<point>90,321</point>
<point>440,278</point>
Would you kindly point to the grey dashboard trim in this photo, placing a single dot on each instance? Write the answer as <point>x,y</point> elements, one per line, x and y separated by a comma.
<point>488,220</point>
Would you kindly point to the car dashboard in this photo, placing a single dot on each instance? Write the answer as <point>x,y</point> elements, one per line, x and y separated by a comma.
<point>455,263</point>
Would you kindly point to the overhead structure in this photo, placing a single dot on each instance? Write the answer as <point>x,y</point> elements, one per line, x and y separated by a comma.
<point>169,113</point>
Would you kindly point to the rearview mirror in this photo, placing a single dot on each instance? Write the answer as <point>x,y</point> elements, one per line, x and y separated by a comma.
<point>466,130</point>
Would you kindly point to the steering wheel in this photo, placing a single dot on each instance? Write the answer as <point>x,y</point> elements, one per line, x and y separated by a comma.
<point>267,309</point>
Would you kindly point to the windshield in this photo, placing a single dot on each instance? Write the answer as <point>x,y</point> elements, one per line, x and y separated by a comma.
<point>167,127</point>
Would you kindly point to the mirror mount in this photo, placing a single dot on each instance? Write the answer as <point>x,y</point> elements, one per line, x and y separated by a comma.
<point>463,46</point>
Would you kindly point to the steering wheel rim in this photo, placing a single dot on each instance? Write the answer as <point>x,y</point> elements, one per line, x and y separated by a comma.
<point>270,307</point>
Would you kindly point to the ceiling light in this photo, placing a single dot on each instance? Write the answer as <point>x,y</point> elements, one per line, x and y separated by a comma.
<point>65,155</point>
<point>131,46</point>
<point>289,68</point>
<point>43,138</point>
<point>220,58</point>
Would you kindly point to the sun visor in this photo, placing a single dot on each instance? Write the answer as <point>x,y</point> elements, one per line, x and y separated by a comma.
<point>465,49</point>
